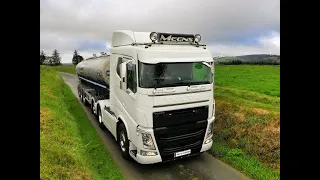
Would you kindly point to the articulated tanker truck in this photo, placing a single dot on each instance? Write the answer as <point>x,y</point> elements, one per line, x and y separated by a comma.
<point>154,93</point>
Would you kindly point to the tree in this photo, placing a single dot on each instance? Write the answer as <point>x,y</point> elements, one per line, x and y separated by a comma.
<point>56,59</point>
<point>76,58</point>
<point>42,57</point>
<point>49,60</point>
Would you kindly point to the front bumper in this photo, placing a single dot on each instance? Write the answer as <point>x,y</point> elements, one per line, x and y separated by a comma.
<point>157,158</point>
<point>148,159</point>
<point>206,147</point>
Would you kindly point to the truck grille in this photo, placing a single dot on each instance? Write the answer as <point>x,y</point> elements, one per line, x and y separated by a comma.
<point>181,116</point>
<point>180,130</point>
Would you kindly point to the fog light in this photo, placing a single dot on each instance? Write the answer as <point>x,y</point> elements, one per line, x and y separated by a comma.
<point>148,153</point>
<point>207,141</point>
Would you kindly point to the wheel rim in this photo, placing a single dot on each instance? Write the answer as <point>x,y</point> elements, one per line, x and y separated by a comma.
<point>122,141</point>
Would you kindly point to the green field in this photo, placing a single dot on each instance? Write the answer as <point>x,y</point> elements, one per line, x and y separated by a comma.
<point>247,126</point>
<point>70,148</point>
<point>260,79</point>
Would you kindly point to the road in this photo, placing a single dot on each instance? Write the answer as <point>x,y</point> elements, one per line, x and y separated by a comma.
<point>203,167</point>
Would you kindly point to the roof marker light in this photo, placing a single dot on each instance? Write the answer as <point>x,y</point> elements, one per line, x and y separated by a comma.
<point>197,38</point>
<point>153,36</point>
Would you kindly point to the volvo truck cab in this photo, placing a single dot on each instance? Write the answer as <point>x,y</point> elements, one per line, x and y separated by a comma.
<point>160,104</point>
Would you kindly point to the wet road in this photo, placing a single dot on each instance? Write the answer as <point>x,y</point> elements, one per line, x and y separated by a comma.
<point>201,167</point>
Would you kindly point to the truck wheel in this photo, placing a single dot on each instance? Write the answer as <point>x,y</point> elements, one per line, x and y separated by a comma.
<point>81,98</point>
<point>101,125</point>
<point>123,141</point>
<point>79,90</point>
<point>84,101</point>
<point>92,106</point>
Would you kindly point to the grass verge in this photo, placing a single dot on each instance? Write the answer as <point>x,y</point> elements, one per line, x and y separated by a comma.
<point>70,148</point>
<point>246,163</point>
<point>68,69</point>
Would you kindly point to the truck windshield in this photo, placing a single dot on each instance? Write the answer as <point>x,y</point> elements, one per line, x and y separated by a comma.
<point>173,74</point>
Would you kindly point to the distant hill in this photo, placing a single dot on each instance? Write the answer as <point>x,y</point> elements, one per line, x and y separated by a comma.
<point>249,59</point>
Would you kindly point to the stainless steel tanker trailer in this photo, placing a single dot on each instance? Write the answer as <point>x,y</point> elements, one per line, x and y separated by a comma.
<point>94,82</point>
<point>154,93</point>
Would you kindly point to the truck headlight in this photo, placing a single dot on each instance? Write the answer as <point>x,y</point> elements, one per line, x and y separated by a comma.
<point>147,141</point>
<point>210,131</point>
<point>209,134</point>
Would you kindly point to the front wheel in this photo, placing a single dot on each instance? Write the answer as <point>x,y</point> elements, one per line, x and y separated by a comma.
<point>123,141</point>
<point>101,125</point>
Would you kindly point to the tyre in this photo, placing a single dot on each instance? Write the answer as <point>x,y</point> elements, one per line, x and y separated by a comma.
<point>101,125</point>
<point>84,101</point>
<point>81,98</point>
<point>123,141</point>
<point>91,107</point>
<point>79,90</point>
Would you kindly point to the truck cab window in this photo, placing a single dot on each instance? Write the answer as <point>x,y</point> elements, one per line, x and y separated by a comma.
<point>173,74</point>
<point>131,77</point>
<point>118,65</point>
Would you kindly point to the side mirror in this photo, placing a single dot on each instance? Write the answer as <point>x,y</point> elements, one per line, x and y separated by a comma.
<point>123,71</point>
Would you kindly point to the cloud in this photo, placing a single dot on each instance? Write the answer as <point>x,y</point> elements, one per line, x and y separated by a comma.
<point>272,41</point>
<point>269,44</point>
<point>229,25</point>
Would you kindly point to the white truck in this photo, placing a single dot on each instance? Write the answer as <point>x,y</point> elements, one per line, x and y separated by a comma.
<point>154,93</point>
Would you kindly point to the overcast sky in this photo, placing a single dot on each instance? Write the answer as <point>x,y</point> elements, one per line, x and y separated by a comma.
<point>228,27</point>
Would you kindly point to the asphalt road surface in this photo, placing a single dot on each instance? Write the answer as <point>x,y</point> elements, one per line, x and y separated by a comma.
<point>204,166</point>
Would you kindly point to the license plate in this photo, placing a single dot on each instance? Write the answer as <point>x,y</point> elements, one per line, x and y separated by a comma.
<point>182,153</point>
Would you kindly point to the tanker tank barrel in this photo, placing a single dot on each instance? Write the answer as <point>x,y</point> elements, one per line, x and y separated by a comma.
<point>94,70</point>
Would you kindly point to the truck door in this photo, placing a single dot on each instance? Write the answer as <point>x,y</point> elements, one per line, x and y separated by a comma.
<point>129,87</point>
